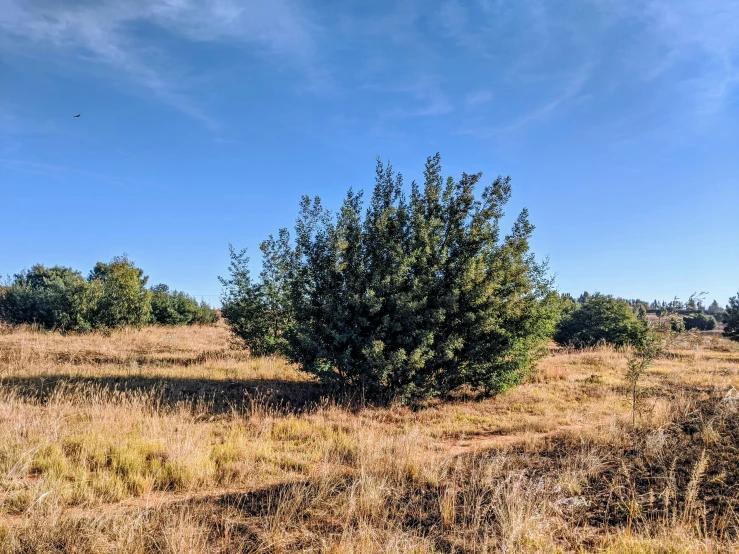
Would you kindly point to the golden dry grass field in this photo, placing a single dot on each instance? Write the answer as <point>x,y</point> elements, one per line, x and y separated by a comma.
<point>166,440</point>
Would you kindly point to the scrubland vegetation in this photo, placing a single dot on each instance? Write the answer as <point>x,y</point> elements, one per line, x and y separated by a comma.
<point>165,439</point>
<point>403,378</point>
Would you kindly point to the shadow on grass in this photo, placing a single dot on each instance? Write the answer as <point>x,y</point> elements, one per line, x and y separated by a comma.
<point>285,506</point>
<point>209,396</point>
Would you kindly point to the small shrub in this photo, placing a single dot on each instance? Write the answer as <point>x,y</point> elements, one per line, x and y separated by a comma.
<point>244,308</point>
<point>677,325</point>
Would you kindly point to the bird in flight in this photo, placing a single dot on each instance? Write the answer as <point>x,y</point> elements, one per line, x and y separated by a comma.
<point>77,116</point>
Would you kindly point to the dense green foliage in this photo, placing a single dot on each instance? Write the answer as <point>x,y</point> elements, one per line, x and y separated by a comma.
<point>119,294</point>
<point>599,319</point>
<point>413,297</point>
<point>172,307</point>
<point>731,319</point>
<point>50,297</point>
<point>113,295</point>
<point>677,325</point>
<point>700,321</point>
<point>716,311</point>
<point>244,307</point>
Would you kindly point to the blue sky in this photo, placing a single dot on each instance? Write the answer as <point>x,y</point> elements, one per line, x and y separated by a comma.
<point>203,123</point>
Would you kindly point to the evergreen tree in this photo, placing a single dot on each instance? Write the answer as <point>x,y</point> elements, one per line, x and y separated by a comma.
<point>418,297</point>
<point>113,295</point>
<point>243,306</point>
<point>677,325</point>
<point>170,307</point>
<point>641,313</point>
<point>731,319</point>
<point>275,281</point>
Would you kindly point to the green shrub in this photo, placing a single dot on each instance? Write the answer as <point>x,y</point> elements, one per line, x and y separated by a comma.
<point>731,319</point>
<point>677,325</point>
<point>700,321</point>
<point>118,294</point>
<point>171,307</point>
<point>414,297</point>
<point>205,314</point>
<point>244,308</point>
<point>177,308</point>
<point>601,319</point>
<point>53,298</point>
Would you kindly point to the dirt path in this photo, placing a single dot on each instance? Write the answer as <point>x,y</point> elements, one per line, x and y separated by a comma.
<point>485,441</point>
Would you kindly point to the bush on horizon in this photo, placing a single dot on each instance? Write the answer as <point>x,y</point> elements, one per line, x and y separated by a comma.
<point>700,321</point>
<point>173,307</point>
<point>413,297</point>
<point>602,319</point>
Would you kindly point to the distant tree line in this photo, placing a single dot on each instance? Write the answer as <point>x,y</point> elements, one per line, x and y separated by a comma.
<point>409,296</point>
<point>593,319</point>
<point>114,294</point>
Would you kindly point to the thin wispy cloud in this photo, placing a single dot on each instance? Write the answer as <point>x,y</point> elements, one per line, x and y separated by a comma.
<point>516,53</point>
<point>421,96</point>
<point>477,97</point>
<point>567,93</point>
<point>573,87</point>
<point>704,35</point>
<point>59,171</point>
<point>103,33</point>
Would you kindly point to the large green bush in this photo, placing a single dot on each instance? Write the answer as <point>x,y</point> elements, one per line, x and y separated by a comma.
<point>700,321</point>
<point>601,319</point>
<point>731,319</point>
<point>52,297</point>
<point>118,294</point>
<point>415,297</point>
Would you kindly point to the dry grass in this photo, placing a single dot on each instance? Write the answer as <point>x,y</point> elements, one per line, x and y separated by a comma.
<point>167,440</point>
